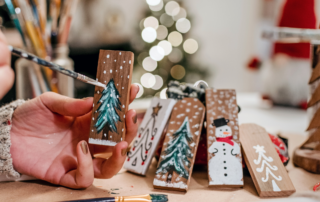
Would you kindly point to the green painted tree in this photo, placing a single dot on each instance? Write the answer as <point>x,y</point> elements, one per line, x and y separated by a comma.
<point>110,103</point>
<point>176,156</point>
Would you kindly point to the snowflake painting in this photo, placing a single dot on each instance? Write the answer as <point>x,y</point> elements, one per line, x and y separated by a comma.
<point>111,103</point>
<point>180,145</point>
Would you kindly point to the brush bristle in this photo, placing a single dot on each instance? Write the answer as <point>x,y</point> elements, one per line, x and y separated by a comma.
<point>159,197</point>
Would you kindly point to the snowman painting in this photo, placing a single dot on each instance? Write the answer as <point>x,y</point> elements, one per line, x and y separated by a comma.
<point>225,168</point>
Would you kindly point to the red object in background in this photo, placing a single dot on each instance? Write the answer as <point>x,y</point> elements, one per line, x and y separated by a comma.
<point>304,105</point>
<point>297,14</point>
<point>316,186</point>
<point>254,63</point>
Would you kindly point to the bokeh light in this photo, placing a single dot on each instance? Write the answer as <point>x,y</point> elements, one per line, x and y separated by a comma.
<point>175,38</point>
<point>148,80</point>
<point>178,72</point>
<point>159,82</point>
<point>175,56</point>
<point>151,22</point>
<point>141,90</point>
<point>149,34</point>
<point>142,56</point>
<point>166,45</point>
<point>181,14</point>
<point>183,25</point>
<point>156,53</point>
<point>166,20</point>
<point>149,64</point>
<point>162,32</point>
<point>157,7</point>
<point>190,46</point>
<point>172,8</point>
<point>163,94</point>
<point>153,2</point>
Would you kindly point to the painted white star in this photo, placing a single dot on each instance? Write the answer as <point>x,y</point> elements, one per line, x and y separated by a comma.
<point>259,148</point>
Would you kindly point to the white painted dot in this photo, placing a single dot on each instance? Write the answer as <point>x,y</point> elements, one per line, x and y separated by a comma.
<point>110,136</point>
<point>108,56</point>
<point>124,116</point>
<point>105,135</point>
<point>120,67</point>
<point>104,71</point>
<point>124,61</point>
<point>122,87</point>
<point>122,129</point>
<point>92,130</point>
<point>24,55</point>
<point>121,76</point>
<point>187,110</point>
<point>117,84</point>
<point>120,53</point>
<point>92,118</point>
<point>128,76</point>
<point>122,106</point>
<point>108,105</point>
<point>98,92</point>
<point>110,70</point>
<point>117,96</point>
<point>115,60</point>
<point>129,61</point>
<point>116,70</point>
<point>92,105</point>
<point>104,62</point>
<point>105,81</point>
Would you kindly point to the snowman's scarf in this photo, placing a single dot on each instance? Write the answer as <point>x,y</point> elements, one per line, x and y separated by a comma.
<point>226,140</point>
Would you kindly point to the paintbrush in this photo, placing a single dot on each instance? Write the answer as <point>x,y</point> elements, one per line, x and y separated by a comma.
<point>140,198</point>
<point>54,67</point>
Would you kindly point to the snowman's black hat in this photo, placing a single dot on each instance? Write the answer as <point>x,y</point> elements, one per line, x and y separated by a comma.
<point>220,122</point>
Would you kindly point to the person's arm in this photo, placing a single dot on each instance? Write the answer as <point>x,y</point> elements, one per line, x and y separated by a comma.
<point>6,73</point>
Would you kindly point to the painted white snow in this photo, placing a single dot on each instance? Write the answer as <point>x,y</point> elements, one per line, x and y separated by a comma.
<point>102,142</point>
<point>275,186</point>
<point>160,183</point>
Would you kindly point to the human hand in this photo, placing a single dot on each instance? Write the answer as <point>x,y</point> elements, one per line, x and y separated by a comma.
<point>6,73</point>
<point>49,135</point>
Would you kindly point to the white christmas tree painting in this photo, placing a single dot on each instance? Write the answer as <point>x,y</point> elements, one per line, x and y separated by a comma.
<point>263,159</point>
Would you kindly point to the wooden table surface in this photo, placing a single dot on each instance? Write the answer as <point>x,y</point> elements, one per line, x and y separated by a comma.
<point>126,183</point>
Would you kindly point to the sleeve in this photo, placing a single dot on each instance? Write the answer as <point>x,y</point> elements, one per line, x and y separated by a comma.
<point>6,163</point>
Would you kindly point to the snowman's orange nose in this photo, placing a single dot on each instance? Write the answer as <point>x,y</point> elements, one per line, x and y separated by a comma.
<point>226,133</point>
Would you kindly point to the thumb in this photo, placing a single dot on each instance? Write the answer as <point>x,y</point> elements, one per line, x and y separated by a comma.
<point>83,176</point>
<point>66,106</point>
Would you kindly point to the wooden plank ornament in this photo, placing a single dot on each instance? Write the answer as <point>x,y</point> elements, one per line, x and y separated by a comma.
<point>111,104</point>
<point>149,135</point>
<point>224,154</point>
<point>180,145</point>
<point>269,175</point>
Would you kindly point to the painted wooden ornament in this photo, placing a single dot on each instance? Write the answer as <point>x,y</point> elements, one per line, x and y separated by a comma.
<point>180,145</point>
<point>111,104</point>
<point>149,135</point>
<point>269,175</point>
<point>224,154</point>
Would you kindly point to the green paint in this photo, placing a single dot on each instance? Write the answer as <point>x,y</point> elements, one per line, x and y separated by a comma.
<point>158,197</point>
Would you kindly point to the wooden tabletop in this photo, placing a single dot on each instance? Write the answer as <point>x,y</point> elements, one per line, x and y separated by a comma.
<point>126,183</point>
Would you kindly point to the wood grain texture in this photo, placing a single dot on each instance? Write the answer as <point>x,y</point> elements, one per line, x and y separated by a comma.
<point>115,71</point>
<point>180,145</point>
<point>315,121</point>
<point>267,171</point>
<point>224,158</point>
<point>148,135</point>
<point>307,159</point>
<point>315,74</point>
<point>315,97</point>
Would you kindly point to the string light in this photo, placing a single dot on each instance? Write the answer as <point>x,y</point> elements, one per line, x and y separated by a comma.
<point>163,94</point>
<point>159,82</point>
<point>153,2</point>
<point>190,46</point>
<point>156,53</point>
<point>166,45</point>
<point>175,56</point>
<point>151,22</point>
<point>172,8</point>
<point>148,80</point>
<point>162,32</point>
<point>178,72</point>
<point>183,25</point>
<point>141,90</point>
<point>157,7</point>
<point>149,64</point>
<point>149,34</point>
<point>182,14</point>
<point>166,20</point>
<point>175,38</point>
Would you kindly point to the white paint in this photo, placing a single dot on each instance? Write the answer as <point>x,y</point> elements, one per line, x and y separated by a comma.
<point>108,56</point>
<point>93,118</point>
<point>104,71</point>
<point>110,70</point>
<point>187,110</point>
<point>275,186</point>
<point>102,142</point>
<point>122,106</point>
<point>115,60</point>
<point>260,150</point>
<point>160,183</point>
<point>128,76</point>
<point>124,61</point>
<point>129,61</point>
<point>120,53</point>
<point>120,67</point>
<point>24,55</point>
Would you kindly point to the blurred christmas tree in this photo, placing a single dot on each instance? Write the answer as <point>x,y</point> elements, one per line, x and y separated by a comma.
<point>163,49</point>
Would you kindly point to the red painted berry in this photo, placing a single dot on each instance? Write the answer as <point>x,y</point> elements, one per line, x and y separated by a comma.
<point>142,163</point>
<point>152,138</point>
<point>146,151</point>
<point>128,159</point>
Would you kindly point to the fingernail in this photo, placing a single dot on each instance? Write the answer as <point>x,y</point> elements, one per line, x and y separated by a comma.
<point>138,88</point>
<point>84,147</point>
<point>124,152</point>
<point>134,119</point>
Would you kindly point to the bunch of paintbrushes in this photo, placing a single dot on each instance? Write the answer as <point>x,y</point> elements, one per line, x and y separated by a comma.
<point>42,24</point>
